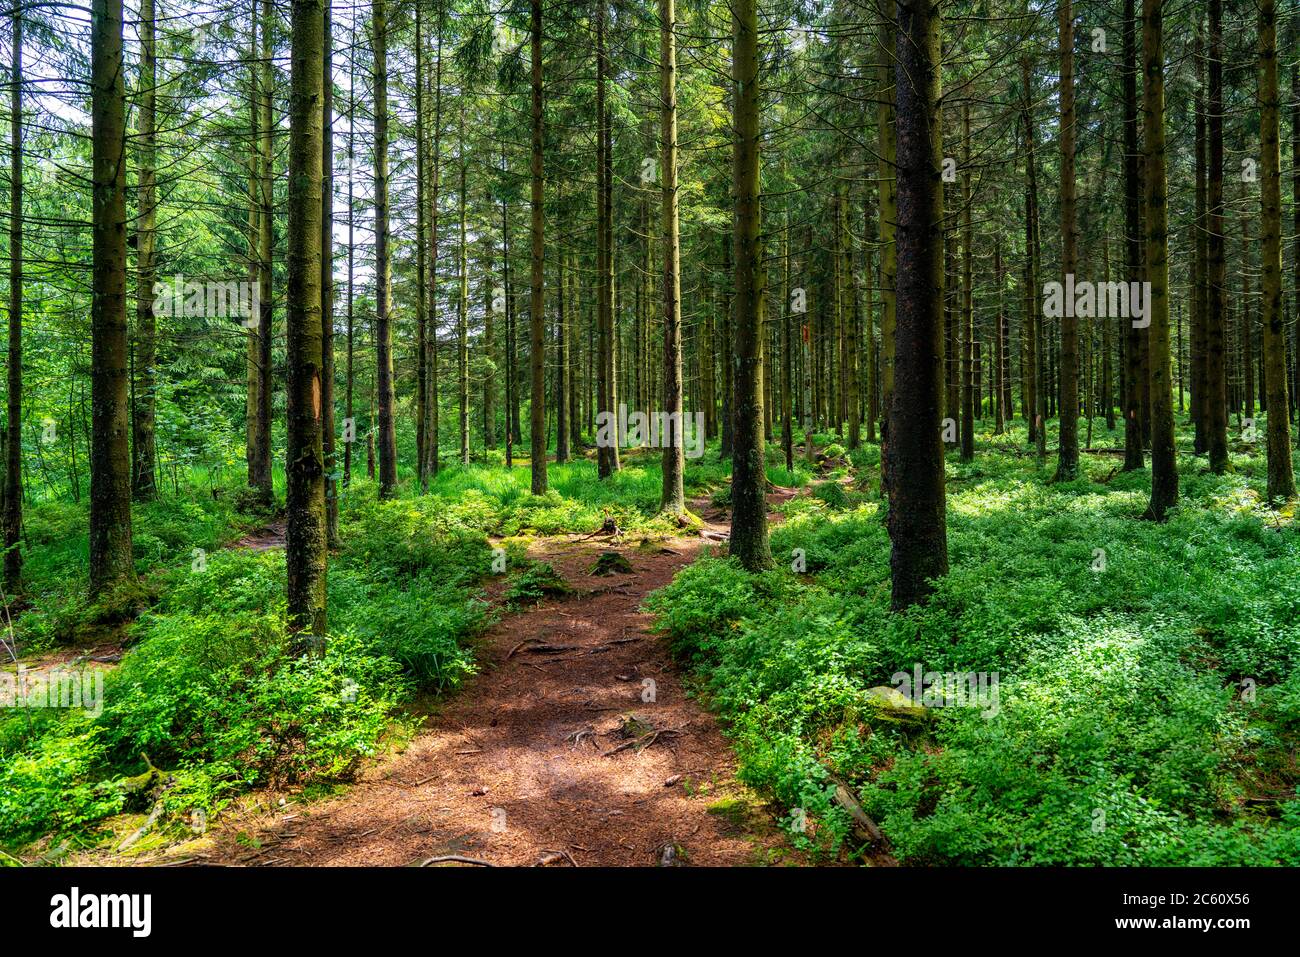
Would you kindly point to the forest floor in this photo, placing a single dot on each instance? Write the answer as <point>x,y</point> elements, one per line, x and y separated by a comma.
<point>575,745</point>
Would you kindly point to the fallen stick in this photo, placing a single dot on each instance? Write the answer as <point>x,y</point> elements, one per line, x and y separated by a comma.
<point>456,859</point>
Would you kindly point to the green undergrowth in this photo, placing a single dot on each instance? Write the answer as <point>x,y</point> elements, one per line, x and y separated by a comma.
<point>209,691</point>
<point>1147,705</point>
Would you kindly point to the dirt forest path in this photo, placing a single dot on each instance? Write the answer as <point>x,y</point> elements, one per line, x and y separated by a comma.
<point>575,745</point>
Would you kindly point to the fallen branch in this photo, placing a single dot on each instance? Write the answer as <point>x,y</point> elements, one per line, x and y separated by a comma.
<point>456,859</point>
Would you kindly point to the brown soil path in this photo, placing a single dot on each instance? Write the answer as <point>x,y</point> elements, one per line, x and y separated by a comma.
<point>550,755</point>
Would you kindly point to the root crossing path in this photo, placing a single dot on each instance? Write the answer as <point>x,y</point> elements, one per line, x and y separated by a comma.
<point>575,745</point>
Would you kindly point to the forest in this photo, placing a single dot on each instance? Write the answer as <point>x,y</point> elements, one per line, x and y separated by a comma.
<point>654,433</point>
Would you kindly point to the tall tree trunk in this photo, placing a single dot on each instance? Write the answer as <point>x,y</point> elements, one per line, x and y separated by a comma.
<point>305,538</point>
<point>383,260</point>
<point>1200,301</point>
<point>462,312</point>
<point>429,424</point>
<point>253,346</point>
<point>348,384</point>
<point>13,485</point>
<point>421,257</point>
<point>1216,379</point>
<point>260,476</point>
<point>327,278</point>
<point>1281,473</point>
<point>917,523</point>
<point>143,445</point>
<point>1035,360</point>
<point>1164,462</point>
<point>887,150</point>
<point>968,393</point>
<point>787,403</point>
<point>1067,455</point>
<point>1133,392</point>
<point>110,453</point>
<point>607,454</point>
<point>748,475</point>
<point>674,495</point>
<point>536,315</point>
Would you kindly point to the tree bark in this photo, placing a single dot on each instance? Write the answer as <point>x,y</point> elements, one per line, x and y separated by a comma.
<point>536,316</point>
<point>1067,454</point>
<point>13,486</point>
<point>305,538</point>
<point>674,496</point>
<point>110,453</point>
<point>917,523</point>
<point>259,470</point>
<point>1133,392</point>
<point>1164,462</point>
<point>1281,473</point>
<point>462,313</point>
<point>383,261</point>
<point>749,541</point>
<point>968,393</point>
<point>327,279</point>
<point>143,446</point>
<point>1216,385</point>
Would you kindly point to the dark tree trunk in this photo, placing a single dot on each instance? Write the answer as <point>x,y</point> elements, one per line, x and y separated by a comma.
<point>305,538</point>
<point>110,452</point>
<point>917,523</point>
<point>748,474</point>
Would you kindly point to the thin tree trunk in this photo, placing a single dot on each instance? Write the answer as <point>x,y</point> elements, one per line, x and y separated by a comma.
<point>1067,456</point>
<point>561,361</point>
<point>462,312</point>
<point>787,403</point>
<point>383,260</point>
<point>13,451</point>
<point>1164,462</point>
<point>674,497</point>
<point>348,385</point>
<point>421,259</point>
<point>429,425</point>
<point>607,454</point>
<point>260,475</point>
<point>1200,283</point>
<point>143,446</point>
<point>969,393</point>
<point>536,316</point>
<point>1216,386</point>
<point>1133,392</point>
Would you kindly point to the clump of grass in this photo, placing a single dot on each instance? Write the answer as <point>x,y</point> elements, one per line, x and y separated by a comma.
<point>537,582</point>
